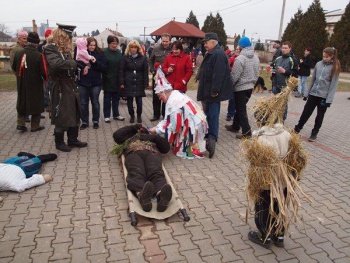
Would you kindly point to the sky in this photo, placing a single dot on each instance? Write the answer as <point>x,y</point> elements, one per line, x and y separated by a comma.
<point>259,18</point>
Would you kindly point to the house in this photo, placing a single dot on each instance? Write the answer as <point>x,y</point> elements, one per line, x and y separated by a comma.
<point>4,37</point>
<point>332,18</point>
<point>102,37</point>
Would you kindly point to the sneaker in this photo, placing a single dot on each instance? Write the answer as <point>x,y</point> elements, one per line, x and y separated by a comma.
<point>119,118</point>
<point>107,120</point>
<point>231,129</point>
<point>278,241</point>
<point>145,196</point>
<point>84,126</point>
<point>313,138</point>
<point>96,126</point>
<point>256,238</point>
<point>164,197</point>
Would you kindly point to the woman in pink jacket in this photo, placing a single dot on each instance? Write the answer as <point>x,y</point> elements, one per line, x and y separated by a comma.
<point>177,67</point>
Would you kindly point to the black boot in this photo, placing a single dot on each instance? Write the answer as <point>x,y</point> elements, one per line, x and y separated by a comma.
<point>26,154</point>
<point>139,119</point>
<point>60,144</point>
<point>47,157</point>
<point>73,138</point>
<point>132,118</point>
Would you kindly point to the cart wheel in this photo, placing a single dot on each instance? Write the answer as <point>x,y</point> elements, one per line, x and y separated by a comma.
<point>185,215</point>
<point>133,218</point>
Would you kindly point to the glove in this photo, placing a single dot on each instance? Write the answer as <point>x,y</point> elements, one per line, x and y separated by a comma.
<point>323,103</point>
<point>305,98</point>
<point>328,105</point>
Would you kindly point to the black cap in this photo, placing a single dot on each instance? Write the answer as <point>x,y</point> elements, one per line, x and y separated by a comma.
<point>67,28</point>
<point>33,37</point>
<point>209,36</point>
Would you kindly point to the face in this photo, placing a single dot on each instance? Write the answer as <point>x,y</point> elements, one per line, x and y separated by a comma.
<point>92,46</point>
<point>162,96</point>
<point>176,51</point>
<point>306,52</point>
<point>22,41</point>
<point>133,50</point>
<point>285,49</point>
<point>237,51</point>
<point>327,57</point>
<point>275,45</point>
<point>113,45</point>
<point>209,45</point>
<point>165,42</point>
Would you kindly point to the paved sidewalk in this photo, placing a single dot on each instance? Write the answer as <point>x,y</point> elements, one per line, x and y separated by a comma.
<point>82,216</point>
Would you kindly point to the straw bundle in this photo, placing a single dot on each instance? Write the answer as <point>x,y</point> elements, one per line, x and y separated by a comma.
<point>297,157</point>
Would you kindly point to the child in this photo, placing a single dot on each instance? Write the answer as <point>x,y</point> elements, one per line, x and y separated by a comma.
<point>321,91</point>
<point>82,53</point>
<point>276,160</point>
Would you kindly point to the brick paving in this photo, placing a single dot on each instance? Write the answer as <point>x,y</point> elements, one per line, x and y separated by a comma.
<point>81,216</point>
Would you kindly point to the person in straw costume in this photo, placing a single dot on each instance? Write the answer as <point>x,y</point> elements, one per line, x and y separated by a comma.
<point>276,158</point>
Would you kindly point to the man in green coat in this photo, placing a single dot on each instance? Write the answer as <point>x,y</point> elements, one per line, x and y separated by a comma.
<point>30,69</point>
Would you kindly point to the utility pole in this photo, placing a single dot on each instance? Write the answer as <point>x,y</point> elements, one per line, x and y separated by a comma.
<point>281,22</point>
<point>144,35</point>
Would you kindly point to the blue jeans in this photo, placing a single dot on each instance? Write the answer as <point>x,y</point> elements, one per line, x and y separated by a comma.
<point>92,93</point>
<point>110,98</point>
<point>212,110</point>
<point>302,84</point>
<point>231,108</point>
<point>130,101</point>
<point>276,90</point>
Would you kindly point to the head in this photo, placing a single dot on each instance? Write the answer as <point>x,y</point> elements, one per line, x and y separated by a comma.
<point>133,48</point>
<point>238,50</point>
<point>286,47</point>
<point>62,40</point>
<point>165,40</point>
<point>22,38</point>
<point>331,54</point>
<point>244,42</point>
<point>177,47</point>
<point>210,41</point>
<point>112,42</point>
<point>33,38</point>
<point>164,95</point>
<point>47,33</point>
<point>92,44</point>
<point>307,51</point>
<point>276,44</point>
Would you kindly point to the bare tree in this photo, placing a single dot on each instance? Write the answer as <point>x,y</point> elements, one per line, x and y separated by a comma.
<point>5,29</point>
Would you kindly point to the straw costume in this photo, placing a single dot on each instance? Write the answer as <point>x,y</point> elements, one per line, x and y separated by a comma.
<point>276,158</point>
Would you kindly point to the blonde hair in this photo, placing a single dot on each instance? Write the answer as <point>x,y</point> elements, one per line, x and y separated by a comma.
<point>133,43</point>
<point>62,40</point>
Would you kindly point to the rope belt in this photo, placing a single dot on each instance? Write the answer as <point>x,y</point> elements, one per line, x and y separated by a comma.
<point>141,147</point>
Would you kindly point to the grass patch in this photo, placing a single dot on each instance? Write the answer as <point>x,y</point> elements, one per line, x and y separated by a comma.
<point>8,82</point>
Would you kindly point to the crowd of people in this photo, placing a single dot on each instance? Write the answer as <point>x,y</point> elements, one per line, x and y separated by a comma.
<point>74,78</point>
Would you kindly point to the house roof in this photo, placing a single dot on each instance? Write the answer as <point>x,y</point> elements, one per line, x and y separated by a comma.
<point>3,35</point>
<point>179,29</point>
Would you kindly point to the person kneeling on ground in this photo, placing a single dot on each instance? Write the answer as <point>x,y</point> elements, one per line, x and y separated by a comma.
<point>143,162</point>
<point>20,172</point>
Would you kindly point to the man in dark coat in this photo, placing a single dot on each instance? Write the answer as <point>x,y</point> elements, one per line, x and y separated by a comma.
<point>214,86</point>
<point>30,69</point>
<point>65,98</point>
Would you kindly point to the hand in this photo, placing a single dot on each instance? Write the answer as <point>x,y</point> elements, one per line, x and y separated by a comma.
<point>121,86</point>
<point>184,82</point>
<point>195,80</point>
<point>152,130</point>
<point>214,94</point>
<point>281,70</point>
<point>328,105</point>
<point>86,70</point>
<point>305,98</point>
<point>268,68</point>
<point>170,70</point>
<point>93,59</point>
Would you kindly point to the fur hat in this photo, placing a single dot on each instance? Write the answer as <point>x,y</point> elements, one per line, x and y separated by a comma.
<point>47,32</point>
<point>244,42</point>
<point>67,28</point>
<point>33,37</point>
<point>22,33</point>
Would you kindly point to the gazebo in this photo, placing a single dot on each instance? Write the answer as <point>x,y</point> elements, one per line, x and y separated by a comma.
<point>185,31</point>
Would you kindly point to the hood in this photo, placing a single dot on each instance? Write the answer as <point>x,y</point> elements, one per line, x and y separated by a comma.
<point>81,43</point>
<point>248,52</point>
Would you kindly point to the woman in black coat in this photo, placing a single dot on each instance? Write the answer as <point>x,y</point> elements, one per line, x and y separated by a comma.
<point>133,78</point>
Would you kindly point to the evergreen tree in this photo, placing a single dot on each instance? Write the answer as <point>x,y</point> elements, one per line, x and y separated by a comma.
<point>208,23</point>
<point>93,33</point>
<point>292,27</point>
<point>259,46</point>
<point>97,32</point>
<point>216,25</point>
<point>312,32</point>
<point>341,39</point>
<point>192,19</point>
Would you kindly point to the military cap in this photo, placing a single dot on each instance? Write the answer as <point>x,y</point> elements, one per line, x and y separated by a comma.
<point>67,28</point>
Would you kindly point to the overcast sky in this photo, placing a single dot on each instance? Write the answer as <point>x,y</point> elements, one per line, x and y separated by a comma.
<point>260,18</point>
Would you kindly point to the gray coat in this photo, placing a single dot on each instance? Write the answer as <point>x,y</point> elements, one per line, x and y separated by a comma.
<point>246,70</point>
<point>322,84</point>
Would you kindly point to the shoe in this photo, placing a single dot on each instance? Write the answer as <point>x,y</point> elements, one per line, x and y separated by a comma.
<point>29,155</point>
<point>139,119</point>
<point>298,95</point>
<point>243,136</point>
<point>145,196</point>
<point>155,118</point>
<point>47,157</point>
<point>164,197</point>
<point>231,129</point>
<point>77,144</point>
<point>210,146</point>
<point>119,118</point>
<point>37,129</point>
<point>196,153</point>
<point>47,178</point>
<point>107,120</point>
<point>229,118</point>
<point>42,116</point>
<point>278,241</point>
<point>256,238</point>
<point>313,137</point>
<point>132,119</point>
<point>21,128</point>
<point>84,126</point>
<point>296,129</point>
<point>26,119</point>
<point>63,147</point>
<point>96,126</point>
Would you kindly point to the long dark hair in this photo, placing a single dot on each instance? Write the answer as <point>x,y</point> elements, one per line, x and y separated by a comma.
<point>331,51</point>
<point>92,39</point>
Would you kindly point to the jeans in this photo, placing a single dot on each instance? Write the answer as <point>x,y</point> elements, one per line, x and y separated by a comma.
<point>311,103</point>
<point>302,84</point>
<point>108,99</point>
<point>276,90</point>
<point>212,110</point>
<point>130,101</point>
<point>92,93</point>
<point>231,108</point>
<point>241,116</point>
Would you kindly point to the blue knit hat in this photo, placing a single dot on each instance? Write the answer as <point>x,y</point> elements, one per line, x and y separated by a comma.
<point>244,42</point>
